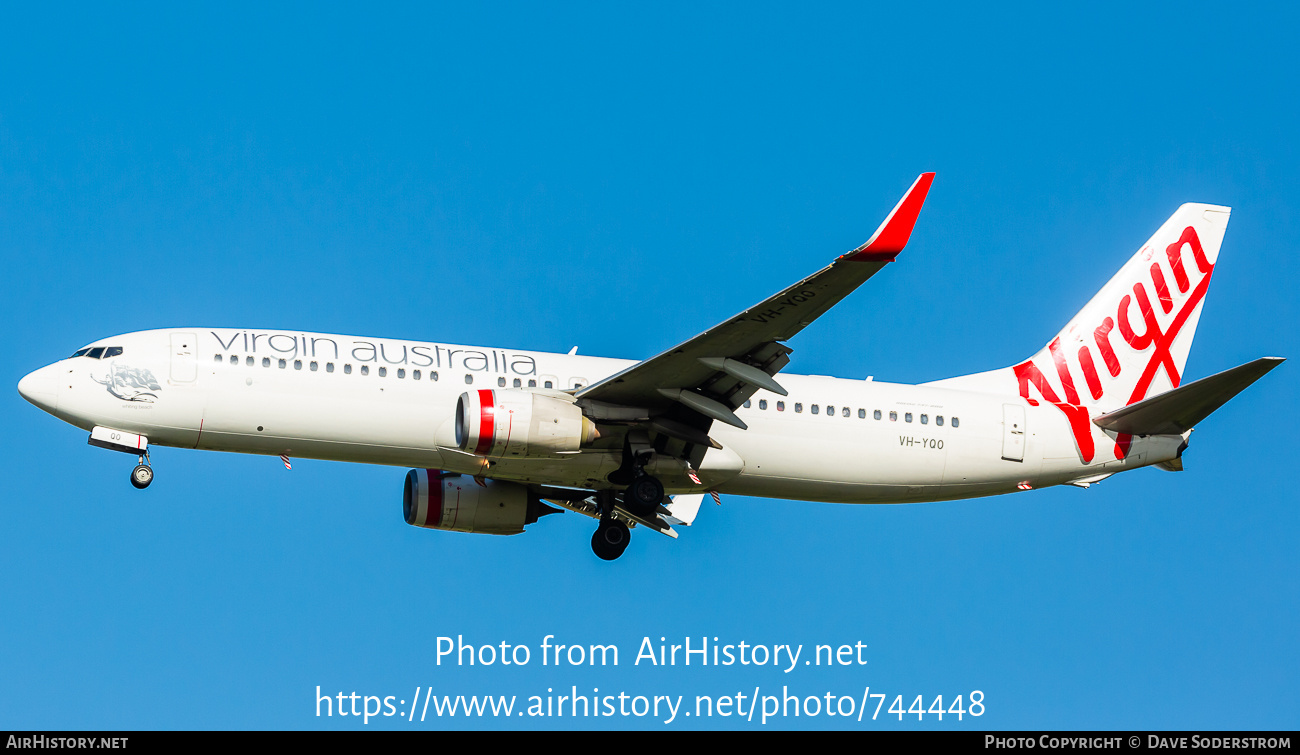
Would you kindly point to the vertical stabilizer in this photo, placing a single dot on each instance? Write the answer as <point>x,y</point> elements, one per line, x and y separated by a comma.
<point>1131,341</point>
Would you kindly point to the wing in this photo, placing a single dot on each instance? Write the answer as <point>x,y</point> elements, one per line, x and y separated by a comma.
<point>680,391</point>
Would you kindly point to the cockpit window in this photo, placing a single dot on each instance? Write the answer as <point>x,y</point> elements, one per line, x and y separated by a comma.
<point>98,352</point>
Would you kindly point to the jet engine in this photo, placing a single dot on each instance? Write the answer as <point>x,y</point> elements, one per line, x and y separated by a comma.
<point>446,501</point>
<point>513,423</point>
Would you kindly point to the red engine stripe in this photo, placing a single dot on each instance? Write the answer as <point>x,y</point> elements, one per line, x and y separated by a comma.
<point>433,506</point>
<point>486,421</point>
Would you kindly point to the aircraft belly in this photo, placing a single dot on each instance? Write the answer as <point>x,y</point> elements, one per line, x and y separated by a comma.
<point>863,493</point>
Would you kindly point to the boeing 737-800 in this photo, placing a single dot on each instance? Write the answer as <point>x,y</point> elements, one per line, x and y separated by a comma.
<point>497,437</point>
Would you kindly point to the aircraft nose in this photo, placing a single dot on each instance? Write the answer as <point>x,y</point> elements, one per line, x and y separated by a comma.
<point>40,388</point>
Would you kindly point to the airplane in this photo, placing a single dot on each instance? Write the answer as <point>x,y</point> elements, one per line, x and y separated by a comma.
<point>497,438</point>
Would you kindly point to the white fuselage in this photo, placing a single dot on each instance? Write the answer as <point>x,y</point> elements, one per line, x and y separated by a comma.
<point>383,401</point>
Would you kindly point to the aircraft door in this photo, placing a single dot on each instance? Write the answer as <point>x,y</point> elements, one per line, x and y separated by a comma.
<point>1013,432</point>
<point>185,366</point>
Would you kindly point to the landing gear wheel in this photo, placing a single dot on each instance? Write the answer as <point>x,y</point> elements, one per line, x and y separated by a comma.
<point>644,495</point>
<point>141,476</point>
<point>610,539</point>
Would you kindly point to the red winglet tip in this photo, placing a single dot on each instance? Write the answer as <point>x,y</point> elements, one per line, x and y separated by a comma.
<point>892,235</point>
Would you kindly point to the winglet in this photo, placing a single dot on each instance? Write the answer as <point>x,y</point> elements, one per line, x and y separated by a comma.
<point>892,235</point>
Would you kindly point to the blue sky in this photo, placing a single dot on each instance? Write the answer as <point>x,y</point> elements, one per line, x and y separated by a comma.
<point>620,179</point>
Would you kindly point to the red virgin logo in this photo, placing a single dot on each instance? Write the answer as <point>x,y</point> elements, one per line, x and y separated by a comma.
<point>1148,350</point>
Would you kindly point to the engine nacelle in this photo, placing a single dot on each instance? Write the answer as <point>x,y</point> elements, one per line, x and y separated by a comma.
<point>515,423</point>
<point>437,500</point>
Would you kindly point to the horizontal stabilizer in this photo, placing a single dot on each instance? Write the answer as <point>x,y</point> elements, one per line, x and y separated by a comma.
<point>1177,411</point>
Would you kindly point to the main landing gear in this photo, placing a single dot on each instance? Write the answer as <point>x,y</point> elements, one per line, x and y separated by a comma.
<point>142,475</point>
<point>612,536</point>
<point>644,495</point>
<point>644,491</point>
<point>610,539</point>
<point>641,499</point>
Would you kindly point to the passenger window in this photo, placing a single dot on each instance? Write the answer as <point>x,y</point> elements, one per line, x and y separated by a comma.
<point>925,419</point>
<point>283,364</point>
<point>266,361</point>
<point>234,360</point>
<point>830,411</point>
<point>762,403</point>
<point>518,383</point>
<point>401,373</point>
<point>780,406</point>
<point>347,369</point>
<point>548,384</point>
<point>532,383</point>
<point>845,412</point>
<point>815,408</point>
<point>329,366</point>
<point>313,366</point>
<point>798,408</point>
<point>907,417</point>
<point>875,414</point>
<point>383,372</point>
<point>747,403</point>
<point>938,420</point>
<point>297,364</point>
<point>113,351</point>
<point>248,362</point>
<point>469,379</point>
<point>365,369</point>
<point>215,357</point>
<point>955,423</point>
<point>893,416</point>
<point>415,374</point>
<point>501,382</point>
<point>862,414</point>
<point>433,376</point>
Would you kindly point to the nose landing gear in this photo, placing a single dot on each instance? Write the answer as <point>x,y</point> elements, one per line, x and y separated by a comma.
<point>142,475</point>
